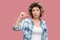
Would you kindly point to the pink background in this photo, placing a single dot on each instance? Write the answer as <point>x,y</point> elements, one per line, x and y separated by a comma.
<point>10,9</point>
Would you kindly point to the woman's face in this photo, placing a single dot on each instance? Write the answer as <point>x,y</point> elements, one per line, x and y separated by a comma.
<point>36,12</point>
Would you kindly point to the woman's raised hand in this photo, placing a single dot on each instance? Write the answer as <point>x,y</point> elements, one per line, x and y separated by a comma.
<point>20,17</point>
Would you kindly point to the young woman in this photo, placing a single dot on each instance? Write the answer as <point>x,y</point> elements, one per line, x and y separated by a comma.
<point>34,28</point>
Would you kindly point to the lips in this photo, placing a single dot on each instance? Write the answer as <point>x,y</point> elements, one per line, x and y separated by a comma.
<point>35,15</point>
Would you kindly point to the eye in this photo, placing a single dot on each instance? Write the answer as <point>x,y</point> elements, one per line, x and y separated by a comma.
<point>38,10</point>
<point>33,10</point>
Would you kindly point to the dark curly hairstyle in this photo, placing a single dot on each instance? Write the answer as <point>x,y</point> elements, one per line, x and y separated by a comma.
<point>35,4</point>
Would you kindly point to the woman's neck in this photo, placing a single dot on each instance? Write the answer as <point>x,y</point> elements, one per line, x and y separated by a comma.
<point>36,19</point>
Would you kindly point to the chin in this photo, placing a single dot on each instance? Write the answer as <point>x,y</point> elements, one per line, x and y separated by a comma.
<point>35,17</point>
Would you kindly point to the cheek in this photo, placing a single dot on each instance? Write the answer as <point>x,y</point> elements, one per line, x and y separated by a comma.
<point>38,13</point>
<point>33,13</point>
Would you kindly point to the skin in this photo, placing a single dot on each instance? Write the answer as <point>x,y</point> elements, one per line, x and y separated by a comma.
<point>36,14</point>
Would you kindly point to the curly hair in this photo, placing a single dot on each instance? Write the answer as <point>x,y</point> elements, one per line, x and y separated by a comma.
<point>35,4</point>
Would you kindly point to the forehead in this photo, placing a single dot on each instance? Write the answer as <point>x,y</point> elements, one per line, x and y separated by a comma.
<point>35,8</point>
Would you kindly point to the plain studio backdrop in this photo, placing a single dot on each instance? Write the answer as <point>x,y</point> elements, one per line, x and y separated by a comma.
<point>10,10</point>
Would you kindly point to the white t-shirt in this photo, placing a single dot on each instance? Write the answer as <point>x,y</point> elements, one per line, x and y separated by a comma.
<point>36,34</point>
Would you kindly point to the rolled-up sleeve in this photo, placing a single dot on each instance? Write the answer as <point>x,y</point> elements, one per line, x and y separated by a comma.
<point>19,27</point>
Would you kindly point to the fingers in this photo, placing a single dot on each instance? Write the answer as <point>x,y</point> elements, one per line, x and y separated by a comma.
<point>24,15</point>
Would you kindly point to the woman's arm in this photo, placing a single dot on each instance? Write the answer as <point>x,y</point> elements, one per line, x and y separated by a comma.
<point>18,25</point>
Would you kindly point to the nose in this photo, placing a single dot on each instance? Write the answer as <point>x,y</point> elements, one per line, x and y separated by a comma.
<point>35,11</point>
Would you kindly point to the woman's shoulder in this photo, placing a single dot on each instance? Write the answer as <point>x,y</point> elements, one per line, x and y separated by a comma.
<point>43,21</point>
<point>44,24</point>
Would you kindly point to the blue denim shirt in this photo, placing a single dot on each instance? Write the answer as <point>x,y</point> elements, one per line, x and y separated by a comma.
<point>27,25</point>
